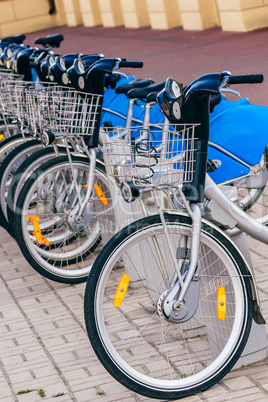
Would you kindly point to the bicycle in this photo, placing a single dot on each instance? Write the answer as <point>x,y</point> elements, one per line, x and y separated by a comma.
<point>64,210</point>
<point>170,299</point>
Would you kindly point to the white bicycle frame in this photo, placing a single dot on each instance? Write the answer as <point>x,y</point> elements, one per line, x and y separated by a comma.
<point>239,221</point>
<point>244,223</point>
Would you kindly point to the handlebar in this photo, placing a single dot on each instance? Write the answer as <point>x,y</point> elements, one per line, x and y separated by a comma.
<point>131,64</point>
<point>192,106</point>
<point>245,79</point>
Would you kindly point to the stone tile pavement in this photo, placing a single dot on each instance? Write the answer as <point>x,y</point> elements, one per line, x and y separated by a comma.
<point>44,345</point>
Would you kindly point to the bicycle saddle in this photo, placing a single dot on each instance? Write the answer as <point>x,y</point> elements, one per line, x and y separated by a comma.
<point>51,40</point>
<point>141,93</point>
<point>18,39</point>
<point>124,89</point>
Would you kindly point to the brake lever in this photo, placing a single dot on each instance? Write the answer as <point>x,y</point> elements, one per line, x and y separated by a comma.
<point>230,90</point>
<point>120,73</point>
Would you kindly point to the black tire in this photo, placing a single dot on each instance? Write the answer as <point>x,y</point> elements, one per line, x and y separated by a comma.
<point>8,130</point>
<point>127,339</point>
<point>8,169</point>
<point>22,173</point>
<point>70,254</point>
<point>10,143</point>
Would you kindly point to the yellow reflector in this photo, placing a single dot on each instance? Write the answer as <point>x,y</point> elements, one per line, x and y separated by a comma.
<point>101,194</point>
<point>121,290</point>
<point>2,136</point>
<point>37,231</point>
<point>221,303</point>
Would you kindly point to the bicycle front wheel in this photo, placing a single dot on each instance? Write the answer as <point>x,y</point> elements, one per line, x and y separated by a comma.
<point>125,323</point>
<point>55,246</point>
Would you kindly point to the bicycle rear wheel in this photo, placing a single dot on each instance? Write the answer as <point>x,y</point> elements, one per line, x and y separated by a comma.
<point>126,325</point>
<point>63,252</point>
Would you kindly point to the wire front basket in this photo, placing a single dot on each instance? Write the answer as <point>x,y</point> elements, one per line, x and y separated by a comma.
<point>64,111</point>
<point>13,100</point>
<point>150,157</point>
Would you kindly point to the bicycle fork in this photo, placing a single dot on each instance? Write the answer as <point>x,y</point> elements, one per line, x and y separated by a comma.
<point>75,216</point>
<point>180,303</point>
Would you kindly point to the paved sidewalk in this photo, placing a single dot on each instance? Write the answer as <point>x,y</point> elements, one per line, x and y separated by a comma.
<point>44,345</point>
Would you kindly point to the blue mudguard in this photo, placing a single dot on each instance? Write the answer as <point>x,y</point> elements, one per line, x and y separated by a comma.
<point>239,129</point>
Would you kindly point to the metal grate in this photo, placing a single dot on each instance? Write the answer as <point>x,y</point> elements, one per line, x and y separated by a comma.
<point>150,157</point>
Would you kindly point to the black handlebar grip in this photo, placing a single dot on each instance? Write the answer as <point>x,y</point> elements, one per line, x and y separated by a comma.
<point>246,79</point>
<point>131,64</point>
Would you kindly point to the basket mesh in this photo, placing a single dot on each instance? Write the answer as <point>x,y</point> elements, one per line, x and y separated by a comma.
<point>13,100</point>
<point>150,157</point>
<point>64,111</point>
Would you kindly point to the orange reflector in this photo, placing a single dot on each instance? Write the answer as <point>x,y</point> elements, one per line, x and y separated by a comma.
<point>121,290</point>
<point>221,303</point>
<point>101,194</point>
<point>2,136</point>
<point>37,231</point>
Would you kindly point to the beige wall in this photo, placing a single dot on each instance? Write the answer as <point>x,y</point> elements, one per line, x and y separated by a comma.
<point>22,16</point>
<point>243,15</point>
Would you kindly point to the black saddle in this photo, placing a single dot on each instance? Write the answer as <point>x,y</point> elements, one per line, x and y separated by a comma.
<point>124,89</point>
<point>18,39</point>
<point>141,93</point>
<point>50,41</point>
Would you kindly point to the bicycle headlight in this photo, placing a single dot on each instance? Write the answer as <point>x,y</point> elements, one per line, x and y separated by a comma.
<point>169,99</point>
<point>176,110</point>
<point>50,60</point>
<point>173,88</point>
<point>129,191</point>
<point>47,138</point>
<point>81,82</point>
<point>65,79</point>
<point>9,53</point>
<point>62,63</point>
<point>15,67</point>
<point>81,67</point>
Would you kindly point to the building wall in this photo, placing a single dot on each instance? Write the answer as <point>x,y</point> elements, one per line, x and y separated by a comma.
<point>22,16</point>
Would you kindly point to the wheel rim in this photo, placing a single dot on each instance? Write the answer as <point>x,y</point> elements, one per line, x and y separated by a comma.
<point>149,327</point>
<point>10,172</point>
<point>71,259</point>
